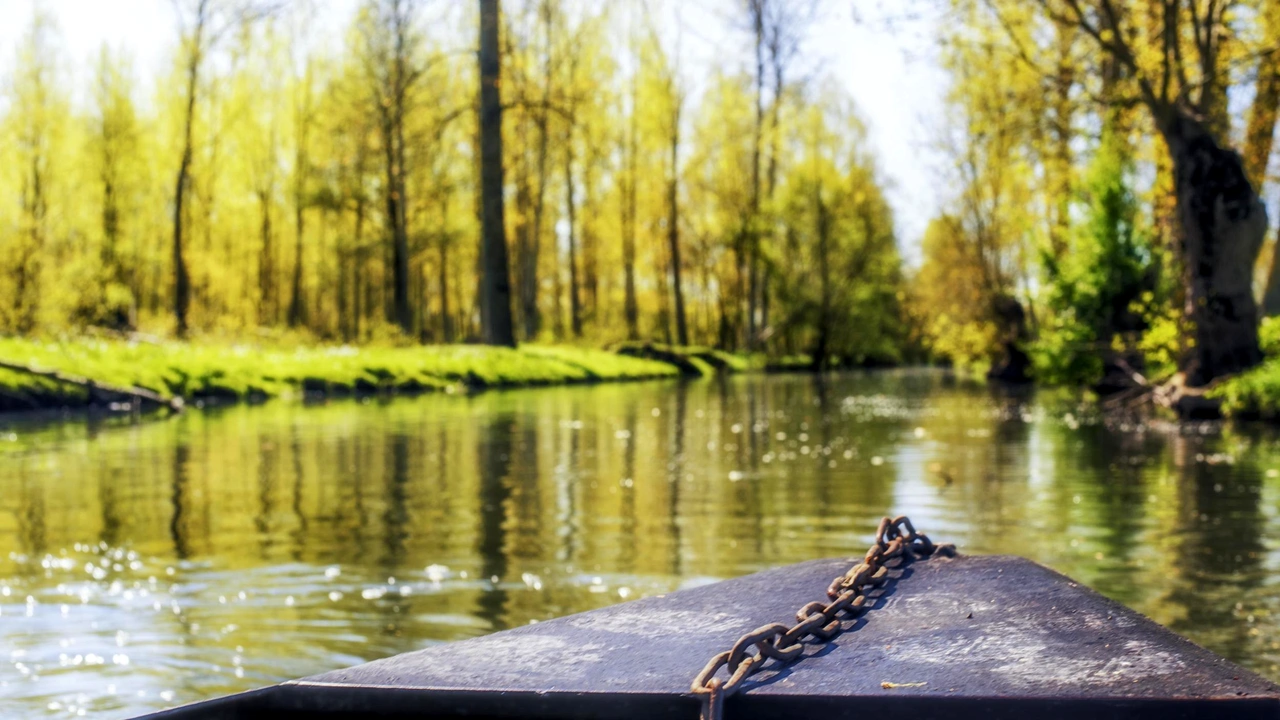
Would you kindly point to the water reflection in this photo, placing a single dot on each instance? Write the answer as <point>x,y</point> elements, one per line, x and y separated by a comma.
<point>146,565</point>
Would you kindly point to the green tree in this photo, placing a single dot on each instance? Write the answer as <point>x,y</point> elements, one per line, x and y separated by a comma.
<point>1096,284</point>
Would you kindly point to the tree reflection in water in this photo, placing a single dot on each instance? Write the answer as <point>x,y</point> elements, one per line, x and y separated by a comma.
<point>226,549</point>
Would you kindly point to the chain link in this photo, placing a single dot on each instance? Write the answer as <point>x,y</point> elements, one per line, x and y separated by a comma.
<point>896,538</point>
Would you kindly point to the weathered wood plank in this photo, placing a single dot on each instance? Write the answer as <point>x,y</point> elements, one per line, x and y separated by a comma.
<point>989,637</point>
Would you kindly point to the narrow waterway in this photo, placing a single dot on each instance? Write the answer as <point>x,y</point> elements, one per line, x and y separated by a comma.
<point>151,564</point>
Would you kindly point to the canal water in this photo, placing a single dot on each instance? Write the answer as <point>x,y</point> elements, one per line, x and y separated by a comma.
<point>144,565</point>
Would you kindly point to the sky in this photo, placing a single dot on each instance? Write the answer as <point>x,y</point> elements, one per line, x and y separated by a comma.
<point>887,64</point>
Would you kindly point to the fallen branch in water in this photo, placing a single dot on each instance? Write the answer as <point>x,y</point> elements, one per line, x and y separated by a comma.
<point>1129,399</point>
<point>1190,403</point>
<point>99,392</point>
<point>1139,391</point>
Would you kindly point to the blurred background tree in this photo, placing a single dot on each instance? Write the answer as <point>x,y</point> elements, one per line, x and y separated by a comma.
<point>281,186</point>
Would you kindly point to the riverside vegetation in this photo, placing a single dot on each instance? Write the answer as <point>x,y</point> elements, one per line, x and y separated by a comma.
<point>208,372</point>
<point>138,375</point>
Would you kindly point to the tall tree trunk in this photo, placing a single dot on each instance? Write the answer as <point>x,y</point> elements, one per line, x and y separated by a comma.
<point>296,308</point>
<point>359,307</point>
<point>1259,137</point>
<point>673,228</point>
<point>557,293</point>
<point>738,322</point>
<point>391,198</point>
<point>575,303</point>
<point>725,331</point>
<point>27,273</point>
<point>446,320</point>
<point>661,268</point>
<point>110,228</point>
<point>821,347</point>
<point>1261,126</point>
<point>1058,164</point>
<point>753,233</point>
<point>631,306</point>
<point>343,301</point>
<point>1222,223</point>
<point>181,279</point>
<point>400,227</point>
<point>200,281</point>
<point>532,313</point>
<point>526,258</point>
<point>771,174</point>
<point>590,276</point>
<point>266,263</point>
<point>418,284</point>
<point>396,267</point>
<point>495,281</point>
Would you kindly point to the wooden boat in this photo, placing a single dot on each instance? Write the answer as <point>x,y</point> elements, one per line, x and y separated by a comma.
<point>969,637</point>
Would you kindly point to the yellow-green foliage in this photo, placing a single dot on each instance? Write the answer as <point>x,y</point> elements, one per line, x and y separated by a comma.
<point>289,147</point>
<point>1256,393</point>
<point>237,371</point>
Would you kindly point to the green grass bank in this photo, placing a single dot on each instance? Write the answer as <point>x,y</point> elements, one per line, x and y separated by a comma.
<point>1255,394</point>
<point>80,373</point>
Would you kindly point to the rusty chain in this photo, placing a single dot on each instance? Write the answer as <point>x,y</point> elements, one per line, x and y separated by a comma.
<point>895,538</point>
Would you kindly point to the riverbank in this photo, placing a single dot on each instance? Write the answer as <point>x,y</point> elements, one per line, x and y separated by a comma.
<point>696,360</point>
<point>1252,395</point>
<point>83,373</point>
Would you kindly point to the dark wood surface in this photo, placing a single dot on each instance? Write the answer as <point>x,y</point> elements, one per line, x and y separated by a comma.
<point>982,637</point>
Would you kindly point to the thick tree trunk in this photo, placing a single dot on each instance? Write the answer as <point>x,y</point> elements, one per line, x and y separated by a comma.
<point>495,281</point>
<point>1013,366</point>
<point>1222,223</point>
